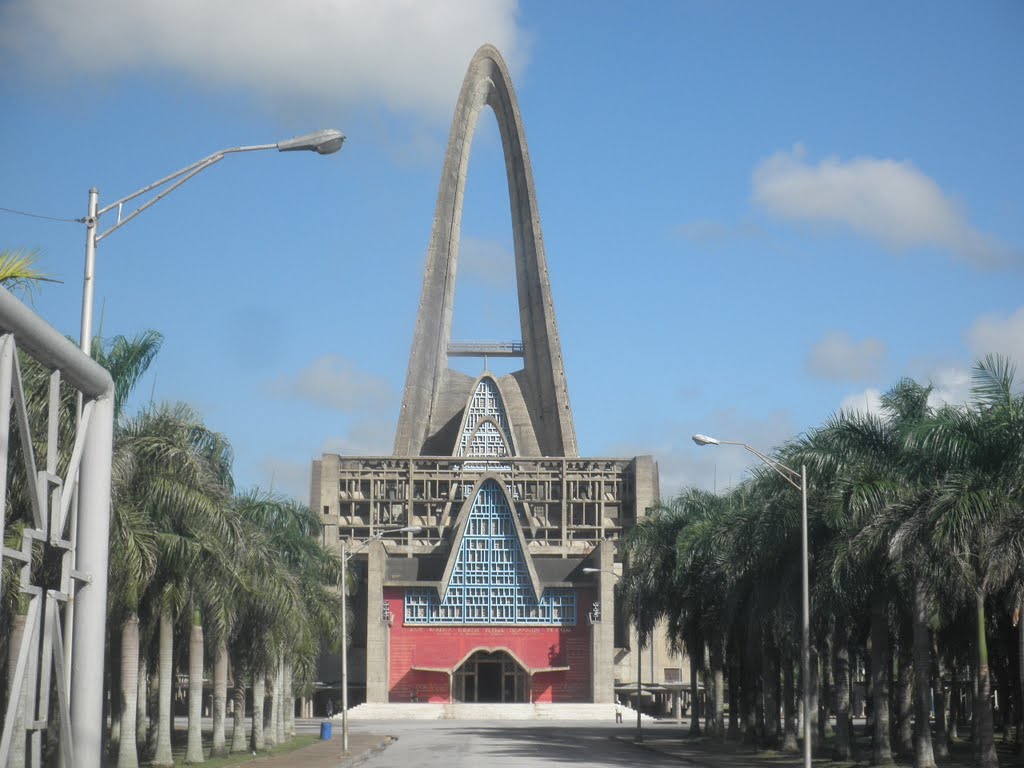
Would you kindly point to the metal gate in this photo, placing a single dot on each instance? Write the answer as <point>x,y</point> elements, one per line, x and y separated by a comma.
<point>80,546</point>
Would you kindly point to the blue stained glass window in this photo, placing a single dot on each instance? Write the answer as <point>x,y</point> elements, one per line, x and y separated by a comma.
<point>486,430</point>
<point>490,583</point>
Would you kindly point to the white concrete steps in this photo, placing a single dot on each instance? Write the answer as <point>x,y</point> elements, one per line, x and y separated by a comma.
<point>396,712</point>
<point>466,711</point>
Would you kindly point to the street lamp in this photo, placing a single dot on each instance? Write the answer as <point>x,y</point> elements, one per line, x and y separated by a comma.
<point>324,142</point>
<point>346,555</point>
<point>639,662</point>
<point>799,481</point>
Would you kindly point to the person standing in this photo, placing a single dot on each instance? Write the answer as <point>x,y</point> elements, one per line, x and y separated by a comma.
<point>618,711</point>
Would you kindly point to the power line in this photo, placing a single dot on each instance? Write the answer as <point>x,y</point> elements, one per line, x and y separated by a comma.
<point>40,216</point>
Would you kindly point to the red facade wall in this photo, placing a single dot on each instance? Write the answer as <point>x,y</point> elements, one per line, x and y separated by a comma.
<point>440,647</point>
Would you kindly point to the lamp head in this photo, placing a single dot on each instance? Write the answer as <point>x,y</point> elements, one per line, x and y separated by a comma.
<point>324,142</point>
<point>591,570</point>
<point>410,529</point>
<point>704,440</point>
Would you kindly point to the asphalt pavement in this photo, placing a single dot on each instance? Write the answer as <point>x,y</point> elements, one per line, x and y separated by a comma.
<point>450,744</point>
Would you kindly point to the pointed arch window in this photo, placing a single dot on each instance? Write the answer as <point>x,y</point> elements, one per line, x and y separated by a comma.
<point>490,583</point>
<point>485,428</point>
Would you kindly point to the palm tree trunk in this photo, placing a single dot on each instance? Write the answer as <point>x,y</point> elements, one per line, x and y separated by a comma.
<point>16,757</point>
<point>220,694</point>
<point>718,679</point>
<point>270,724</point>
<point>984,738</point>
<point>841,688</point>
<point>770,685</point>
<point>748,699</point>
<point>153,732</point>
<point>259,685</point>
<point>941,744</point>
<point>238,716</point>
<point>289,707</point>
<point>194,750</point>
<point>905,696</point>
<point>953,724</point>
<point>694,692</point>
<point>734,699</point>
<point>113,708</point>
<point>790,721</point>
<point>923,755</point>
<point>141,702</point>
<point>163,757</point>
<point>869,690</point>
<point>1018,620</point>
<point>279,699</point>
<point>127,750</point>
<point>881,751</point>
<point>815,683</point>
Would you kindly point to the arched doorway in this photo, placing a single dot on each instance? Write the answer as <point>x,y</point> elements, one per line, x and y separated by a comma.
<point>491,676</point>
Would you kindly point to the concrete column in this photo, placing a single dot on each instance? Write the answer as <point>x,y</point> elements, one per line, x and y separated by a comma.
<point>602,633</point>
<point>377,634</point>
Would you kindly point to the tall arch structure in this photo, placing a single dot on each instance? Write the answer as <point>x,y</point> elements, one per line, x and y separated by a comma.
<point>435,395</point>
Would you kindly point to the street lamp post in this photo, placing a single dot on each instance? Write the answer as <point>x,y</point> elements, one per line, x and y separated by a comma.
<point>639,662</point>
<point>346,555</point>
<point>799,481</point>
<point>324,142</point>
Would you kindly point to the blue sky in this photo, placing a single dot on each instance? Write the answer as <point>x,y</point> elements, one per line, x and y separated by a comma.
<point>754,213</point>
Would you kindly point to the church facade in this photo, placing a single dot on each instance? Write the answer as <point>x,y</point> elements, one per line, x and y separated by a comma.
<point>504,590</point>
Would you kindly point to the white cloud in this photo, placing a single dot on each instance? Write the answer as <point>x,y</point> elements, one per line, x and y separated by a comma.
<point>998,333</point>
<point>868,401</point>
<point>951,385</point>
<point>332,382</point>
<point>878,198</point>
<point>839,357</point>
<point>399,54</point>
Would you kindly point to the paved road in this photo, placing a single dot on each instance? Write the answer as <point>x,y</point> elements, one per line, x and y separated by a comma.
<point>508,744</point>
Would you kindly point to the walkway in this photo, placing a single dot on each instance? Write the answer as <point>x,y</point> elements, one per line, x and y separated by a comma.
<point>327,754</point>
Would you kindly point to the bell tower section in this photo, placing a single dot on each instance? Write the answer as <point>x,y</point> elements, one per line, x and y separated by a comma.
<point>435,395</point>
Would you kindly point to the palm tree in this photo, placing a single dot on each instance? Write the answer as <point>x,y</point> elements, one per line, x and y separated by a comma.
<point>294,603</point>
<point>975,515</point>
<point>18,272</point>
<point>164,458</point>
<point>879,489</point>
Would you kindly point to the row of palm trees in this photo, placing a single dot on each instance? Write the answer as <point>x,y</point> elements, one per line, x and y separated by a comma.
<point>916,525</point>
<point>204,579</point>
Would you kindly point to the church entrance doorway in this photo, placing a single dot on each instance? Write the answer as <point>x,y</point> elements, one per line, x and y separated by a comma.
<point>491,676</point>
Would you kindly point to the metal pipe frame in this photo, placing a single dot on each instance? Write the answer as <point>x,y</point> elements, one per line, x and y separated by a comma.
<point>42,657</point>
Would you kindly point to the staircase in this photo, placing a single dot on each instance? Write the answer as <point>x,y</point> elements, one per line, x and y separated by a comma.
<point>467,711</point>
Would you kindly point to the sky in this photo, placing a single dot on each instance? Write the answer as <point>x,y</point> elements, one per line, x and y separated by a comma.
<point>755,214</point>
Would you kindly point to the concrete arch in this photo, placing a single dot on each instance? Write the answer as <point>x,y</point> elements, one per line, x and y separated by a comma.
<point>427,405</point>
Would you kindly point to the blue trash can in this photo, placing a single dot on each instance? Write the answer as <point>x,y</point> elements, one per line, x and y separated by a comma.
<point>325,730</point>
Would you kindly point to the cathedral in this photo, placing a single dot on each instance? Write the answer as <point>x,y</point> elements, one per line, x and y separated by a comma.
<point>501,588</point>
